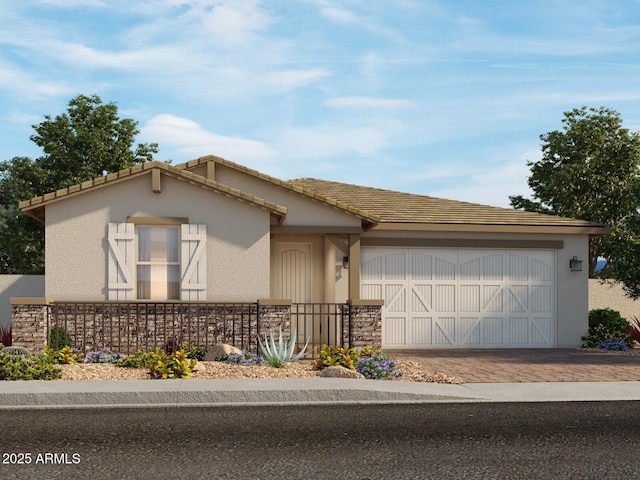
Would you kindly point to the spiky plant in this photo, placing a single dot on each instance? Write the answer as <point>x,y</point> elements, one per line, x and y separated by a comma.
<point>15,350</point>
<point>277,355</point>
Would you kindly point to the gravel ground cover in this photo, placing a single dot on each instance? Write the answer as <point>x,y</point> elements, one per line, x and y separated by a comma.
<point>413,372</point>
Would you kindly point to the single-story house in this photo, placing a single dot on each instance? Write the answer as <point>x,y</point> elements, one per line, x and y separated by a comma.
<point>449,274</point>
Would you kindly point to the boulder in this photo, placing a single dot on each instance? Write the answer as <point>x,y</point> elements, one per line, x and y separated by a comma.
<point>340,372</point>
<point>219,350</point>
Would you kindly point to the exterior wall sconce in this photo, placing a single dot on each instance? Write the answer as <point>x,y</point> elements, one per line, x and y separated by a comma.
<point>345,262</point>
<point>575,265</point>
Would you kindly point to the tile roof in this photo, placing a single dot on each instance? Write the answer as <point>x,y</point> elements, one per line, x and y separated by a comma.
<point>35,206</point>
<point>398,207</point>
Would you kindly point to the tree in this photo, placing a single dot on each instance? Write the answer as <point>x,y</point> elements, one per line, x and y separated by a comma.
<point>86,142</point>
<point>590,171</point>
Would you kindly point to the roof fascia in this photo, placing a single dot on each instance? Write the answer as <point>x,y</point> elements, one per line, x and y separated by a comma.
<point>591,230</point>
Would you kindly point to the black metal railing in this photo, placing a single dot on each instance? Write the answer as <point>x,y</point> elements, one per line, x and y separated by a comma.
<point>130,326</point>
<point>320,323</point>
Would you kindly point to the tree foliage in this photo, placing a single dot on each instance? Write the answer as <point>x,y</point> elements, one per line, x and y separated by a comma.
<point>87,141</point>
<point>589,170</point>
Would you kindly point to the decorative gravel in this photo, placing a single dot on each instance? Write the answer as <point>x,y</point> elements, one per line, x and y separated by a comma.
<point>413,372</point>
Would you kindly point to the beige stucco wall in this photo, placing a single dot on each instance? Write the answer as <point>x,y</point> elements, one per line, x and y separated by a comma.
<point>611,295</point>
<point>17,286</point>
<point>76,229</point>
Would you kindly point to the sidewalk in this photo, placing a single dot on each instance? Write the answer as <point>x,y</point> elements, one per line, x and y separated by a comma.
<point>147,393</point>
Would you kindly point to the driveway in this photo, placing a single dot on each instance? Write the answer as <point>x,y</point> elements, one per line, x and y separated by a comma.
<point>532,365</point>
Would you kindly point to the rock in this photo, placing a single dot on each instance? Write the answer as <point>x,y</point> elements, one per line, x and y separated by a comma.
<point>219,350</point>
<point>199,367</point>
<point>340,372</point>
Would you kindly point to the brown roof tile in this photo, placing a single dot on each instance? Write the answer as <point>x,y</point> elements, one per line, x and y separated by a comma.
<point>398,207</point>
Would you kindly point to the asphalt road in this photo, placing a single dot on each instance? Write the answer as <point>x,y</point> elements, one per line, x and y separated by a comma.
<point>542,440</point>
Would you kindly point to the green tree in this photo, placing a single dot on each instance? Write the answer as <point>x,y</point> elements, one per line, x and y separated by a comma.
<point>87,141</point>
<point>590,170</point>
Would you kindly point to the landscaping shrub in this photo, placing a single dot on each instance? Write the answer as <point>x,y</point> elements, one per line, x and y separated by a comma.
<point>194,352</point>
<point>377,367</point>
<point>139,360</point>
<point>5,336</point>
<point>337,356</point>
<point>59,338</point>
<point>634,328</point>
<point>613,345</point>
<point>607,324</point>
<point>176,365</point>
<point>18,367</point>
<point>66,355</point>
<point>245,359</point>
<point>103,356</point>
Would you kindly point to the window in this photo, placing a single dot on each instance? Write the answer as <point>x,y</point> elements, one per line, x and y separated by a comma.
<point>158,263</point>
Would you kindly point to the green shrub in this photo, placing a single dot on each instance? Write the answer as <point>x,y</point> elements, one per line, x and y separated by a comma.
<point>139,360</point>
<point>176,365</point>
<point>194,352</point>
<point>36,367</point>
<point>59,338</point>
<point>337,357</point>
<point>66,355</point>
<point>606,324</point>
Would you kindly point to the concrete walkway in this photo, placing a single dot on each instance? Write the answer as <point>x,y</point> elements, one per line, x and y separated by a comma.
<point>490,376</point>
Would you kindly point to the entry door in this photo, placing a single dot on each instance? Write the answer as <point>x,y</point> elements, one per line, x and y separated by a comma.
<point>293,275</point>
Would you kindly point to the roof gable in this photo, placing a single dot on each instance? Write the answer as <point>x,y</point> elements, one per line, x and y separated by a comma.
<point>35,207</point>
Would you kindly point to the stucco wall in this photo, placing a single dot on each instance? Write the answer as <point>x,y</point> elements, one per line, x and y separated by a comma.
<point>237,238</point>
<point>611,295</point>
<point>17,286</point>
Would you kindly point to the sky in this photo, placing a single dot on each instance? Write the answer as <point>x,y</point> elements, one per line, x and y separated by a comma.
<point>446,98</point>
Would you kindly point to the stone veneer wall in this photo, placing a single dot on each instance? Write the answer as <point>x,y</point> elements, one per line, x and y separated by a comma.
<point>128,327</point>
<point>366,324</point>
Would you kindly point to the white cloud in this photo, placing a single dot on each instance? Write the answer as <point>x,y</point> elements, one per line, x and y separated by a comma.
<point>367,102</point>
<point>291,79</point>
<point>23,84</point>
<point>190,140</point>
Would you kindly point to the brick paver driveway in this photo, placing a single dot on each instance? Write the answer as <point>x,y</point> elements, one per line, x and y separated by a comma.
<point>533,365</point>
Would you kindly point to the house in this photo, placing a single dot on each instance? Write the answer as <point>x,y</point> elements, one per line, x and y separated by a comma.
<point>445,274</point>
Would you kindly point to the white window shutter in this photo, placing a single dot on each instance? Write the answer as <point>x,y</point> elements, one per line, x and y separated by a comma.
<point>193,262</point>
<point>121,261</point>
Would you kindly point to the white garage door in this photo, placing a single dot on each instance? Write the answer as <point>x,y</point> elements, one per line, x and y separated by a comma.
<point>443,298</point>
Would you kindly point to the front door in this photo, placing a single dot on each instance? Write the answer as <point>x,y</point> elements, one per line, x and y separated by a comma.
<point>293,275</point>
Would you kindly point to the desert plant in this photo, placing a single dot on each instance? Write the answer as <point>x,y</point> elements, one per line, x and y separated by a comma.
<point>176,365</point>
<point>103,356</point>
<point>66,355</point>
<point>138,360</point>
<point>607,324</point>
<point>337,356</point>
<point>613,345</point>
<point>59,338</point>
<point>194,352</point>
<point>634,328</point>
<point>245,359</point>
<point>36,367</point>
<point>277,355</point>
<point>5,336</point>
<point>15,351</point>
<point>377,367</point>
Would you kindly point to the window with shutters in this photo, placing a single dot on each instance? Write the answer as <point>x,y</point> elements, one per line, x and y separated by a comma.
<point>157,262</point>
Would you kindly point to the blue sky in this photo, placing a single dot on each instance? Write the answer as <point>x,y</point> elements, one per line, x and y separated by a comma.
<point>444,97</point>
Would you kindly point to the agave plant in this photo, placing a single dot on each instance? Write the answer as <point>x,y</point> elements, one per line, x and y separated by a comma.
<point>277,355</point>
<point>15,350</point>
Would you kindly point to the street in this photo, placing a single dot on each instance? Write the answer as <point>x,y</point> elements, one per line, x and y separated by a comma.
<point>482,440</point>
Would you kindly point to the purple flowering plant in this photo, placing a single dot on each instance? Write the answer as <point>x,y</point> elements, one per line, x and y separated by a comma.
<point>613,345</point>
<point>103,356</point>
<point>377,367</point>
<point>245,359</point>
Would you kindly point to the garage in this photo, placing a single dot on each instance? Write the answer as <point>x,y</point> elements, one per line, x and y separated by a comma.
<point>462,298</point>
